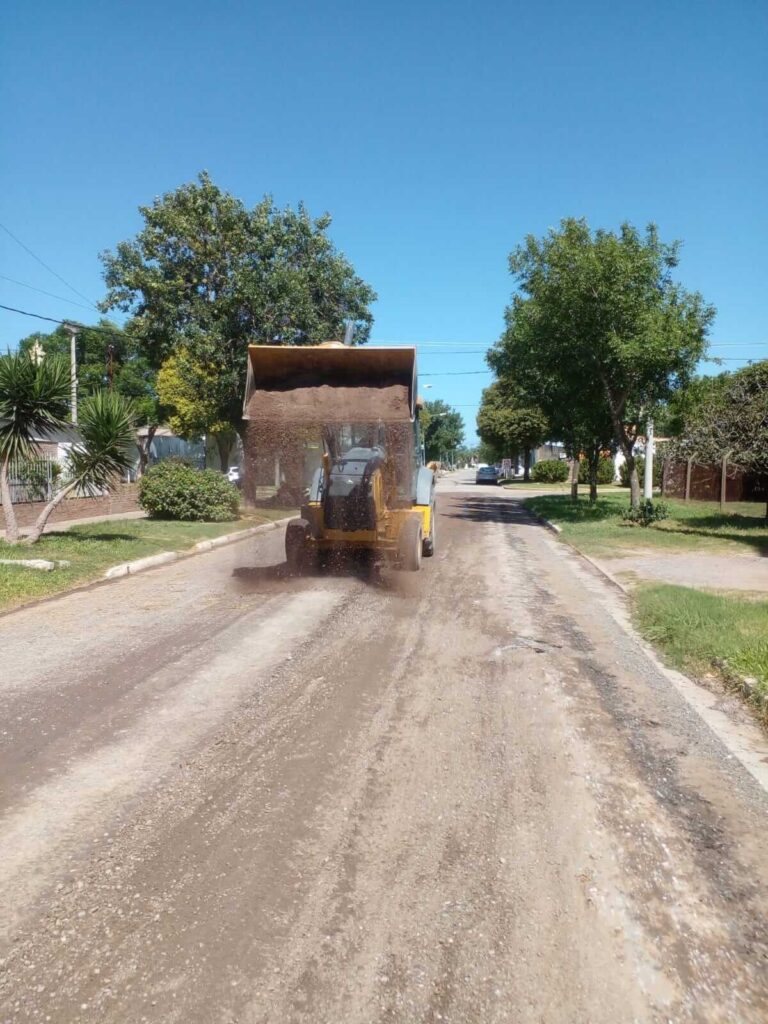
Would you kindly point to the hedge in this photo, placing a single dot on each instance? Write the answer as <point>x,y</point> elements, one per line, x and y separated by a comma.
<point>173,490</point>
<point>550,471</point>
<point>604,471</point>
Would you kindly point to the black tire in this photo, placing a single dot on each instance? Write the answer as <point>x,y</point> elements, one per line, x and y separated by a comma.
<point>297,546</point>
<point>410,545</point>
<point>428,547</point>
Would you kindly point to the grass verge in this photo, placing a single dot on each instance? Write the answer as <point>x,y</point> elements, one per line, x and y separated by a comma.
<point>599,529</point>
<point>93,548</point>
<point>700,632</point>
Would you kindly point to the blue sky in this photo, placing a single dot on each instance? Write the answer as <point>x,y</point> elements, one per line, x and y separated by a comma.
<point>436,134</point>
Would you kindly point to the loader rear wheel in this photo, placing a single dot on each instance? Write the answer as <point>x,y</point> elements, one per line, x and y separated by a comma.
<point>410,545</point>
<point>298,546</point>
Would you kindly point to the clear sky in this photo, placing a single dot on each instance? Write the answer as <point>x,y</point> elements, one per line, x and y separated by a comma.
<point>437,134</point>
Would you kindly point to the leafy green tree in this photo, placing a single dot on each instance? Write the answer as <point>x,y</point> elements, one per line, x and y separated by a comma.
<point>442,429</point>
<point>209,275</point>
<point>34,403</point>
<point>511,422</point>
<point>600,311</point>
<point>190,390</point>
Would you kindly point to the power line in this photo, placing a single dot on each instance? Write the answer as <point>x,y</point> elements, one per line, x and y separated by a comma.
<point>454,373</point>
<point>37,316</point>
<point>44,264</point>
<point>42,291</point>
<point>439,373</point>
<point>109,331</point>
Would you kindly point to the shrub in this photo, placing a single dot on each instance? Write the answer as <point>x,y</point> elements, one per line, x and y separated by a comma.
<point>647,512</point>
<point>658,466</point>
<point>604,471</point>
<point>550,471</point>
<point>172,490</point>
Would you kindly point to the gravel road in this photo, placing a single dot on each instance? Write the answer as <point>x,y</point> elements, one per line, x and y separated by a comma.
<point>465,795</point>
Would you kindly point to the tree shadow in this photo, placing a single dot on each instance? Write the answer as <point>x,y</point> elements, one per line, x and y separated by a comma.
<point>561,507</point>
<point>487,509</point>
<point>747,530</point>
<point>81,537</point>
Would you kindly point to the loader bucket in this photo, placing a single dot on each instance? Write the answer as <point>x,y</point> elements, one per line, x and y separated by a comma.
<point>330,383</point>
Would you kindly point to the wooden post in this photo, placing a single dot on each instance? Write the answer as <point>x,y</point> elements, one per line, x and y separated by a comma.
<point>723,479</point>
<point>688,480</point>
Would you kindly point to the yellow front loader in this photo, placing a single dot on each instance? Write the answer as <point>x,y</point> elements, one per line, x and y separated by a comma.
<point>346,420</point>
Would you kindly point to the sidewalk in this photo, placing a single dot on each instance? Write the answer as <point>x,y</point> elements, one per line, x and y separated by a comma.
<point>57,527</point>
<point>701,569</point>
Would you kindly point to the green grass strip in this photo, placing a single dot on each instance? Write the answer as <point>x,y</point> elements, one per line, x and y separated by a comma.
<point>599,529</point>
<point>698,630</point>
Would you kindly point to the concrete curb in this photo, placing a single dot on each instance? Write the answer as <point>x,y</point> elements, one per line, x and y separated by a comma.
<point>558,530</point>
<point>43,564</point>
<point>166,557</point>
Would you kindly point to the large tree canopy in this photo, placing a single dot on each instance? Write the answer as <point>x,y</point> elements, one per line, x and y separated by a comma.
<point>599,314</point>
<point>208,275</point>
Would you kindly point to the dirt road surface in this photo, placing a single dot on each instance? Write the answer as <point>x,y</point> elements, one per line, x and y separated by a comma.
<point>464,795</point>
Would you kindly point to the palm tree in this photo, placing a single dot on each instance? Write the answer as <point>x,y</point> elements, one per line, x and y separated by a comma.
<point>34,402</point>
<point>107,449</point>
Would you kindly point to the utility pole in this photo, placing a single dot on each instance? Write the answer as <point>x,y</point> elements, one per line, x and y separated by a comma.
<point>72,330</point>
<point>648,482</point>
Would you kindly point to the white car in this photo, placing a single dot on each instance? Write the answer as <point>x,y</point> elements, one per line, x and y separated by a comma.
<point>487,475</point>
<point>234,475</point>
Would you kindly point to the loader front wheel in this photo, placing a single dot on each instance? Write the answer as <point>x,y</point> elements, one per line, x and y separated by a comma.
<point>428,547</point>
<point>410,545</point>
<point>297,546</point>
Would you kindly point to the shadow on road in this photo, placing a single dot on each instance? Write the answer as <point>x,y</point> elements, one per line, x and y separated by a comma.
<point>487,510</point>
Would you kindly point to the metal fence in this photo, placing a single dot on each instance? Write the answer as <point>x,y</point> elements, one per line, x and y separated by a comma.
<point>34,479</point>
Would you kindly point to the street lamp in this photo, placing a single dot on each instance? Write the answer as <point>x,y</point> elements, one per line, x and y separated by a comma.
<point>72,330</point>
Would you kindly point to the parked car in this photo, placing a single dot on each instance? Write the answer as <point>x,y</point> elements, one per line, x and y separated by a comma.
<point>487,475</point>
<point>234,476</point>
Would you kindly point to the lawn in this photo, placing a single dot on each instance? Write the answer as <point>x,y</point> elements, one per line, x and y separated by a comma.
<point>599,529</point>
<point>699,631</point>
<point>94,548</point>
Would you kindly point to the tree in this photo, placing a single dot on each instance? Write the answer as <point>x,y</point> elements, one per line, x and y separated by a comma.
<point>191,391</point>
<point>442,429</point>
<point>600,311</point>
<point>34,403</point>
<point>208,275</point>
<point>726,418</point>
<point>107,428</point>
<point>511,422</point>
<point>109,357</point>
